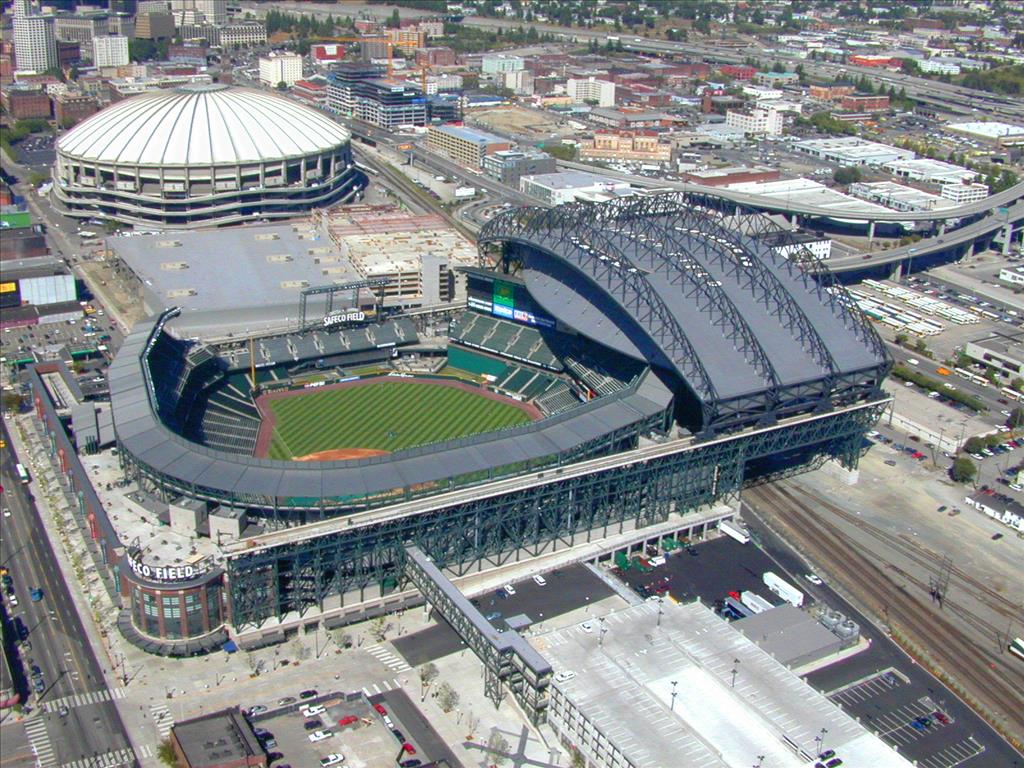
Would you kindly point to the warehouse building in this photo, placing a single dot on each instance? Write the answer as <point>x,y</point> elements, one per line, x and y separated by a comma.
<point>849,150</point>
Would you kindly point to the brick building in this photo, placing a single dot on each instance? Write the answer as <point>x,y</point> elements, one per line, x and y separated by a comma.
<point>859,102</point>
<point>71,107</point>
<point>436,56</point>
<point>830,92</point>
<point>26,104</point>
<point>641,146</point>
<point>738,71</point>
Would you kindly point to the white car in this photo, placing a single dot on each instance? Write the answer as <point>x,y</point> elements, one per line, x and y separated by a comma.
<point>539,580</point>
<point>812,578</point>
<point>320,735</point>
<point>316,709</point>
<point>7,512</point>
<point>564,675</point>
<point>333,759</point>
<point>587,626</point>
<point>509,590</point>
<point>14,600</point>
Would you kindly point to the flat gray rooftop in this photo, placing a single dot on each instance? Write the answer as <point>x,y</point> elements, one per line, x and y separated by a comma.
<point>624,686</point>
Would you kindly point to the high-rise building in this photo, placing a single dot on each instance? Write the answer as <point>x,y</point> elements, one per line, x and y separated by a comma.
<point>591,89</point>
<point>35,45</point>
<point>357,90</point>
<point>215,11</point>
<point>110,51</point>
<point>280,68</point>
<point>81,28</point>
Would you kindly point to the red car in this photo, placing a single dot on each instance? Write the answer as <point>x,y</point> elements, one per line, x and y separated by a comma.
<point>348,720</point>
<point>409,748</point>
<point>380,709</point>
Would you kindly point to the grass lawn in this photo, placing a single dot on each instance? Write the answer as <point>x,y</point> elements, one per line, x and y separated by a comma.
<point>387,416</point>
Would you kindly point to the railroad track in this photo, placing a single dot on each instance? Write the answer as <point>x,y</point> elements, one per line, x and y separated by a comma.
<point>926,558</point>
<point>987,678</point>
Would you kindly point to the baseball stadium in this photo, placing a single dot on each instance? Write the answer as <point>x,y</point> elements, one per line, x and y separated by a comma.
<point>615,364</point>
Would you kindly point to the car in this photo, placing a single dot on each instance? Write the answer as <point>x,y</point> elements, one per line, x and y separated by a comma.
<point>409,748</point>
<point>942,717</point>
<point>692,551</point>
<point>814,579</point>
<point>564,676</point>
<point>63,711</point>
<point>388,723</point>
<point>348,720</point>
<point>284,701</point>
<point>320,735</point>
<point>539,580</point>
<point>587,626</point>
<point>262,733</point>
<point>996,536</point>
<point>380,709</point>
<point>311,711</point>
<point>14,600</point>
<point>828,754</point>
<point>332,759</point>
<point>410,763</point>
<point>36,594</point>
<point>398,734</point>
<point>313,725</point>
<point>269,743</point>
<point>308,694</point>
<point>834,763</point>
<point>259,709</point>
<point>38,685</point>
<point>494,616</point>
<point>509,589</point>
<point>7,512</point>
<point>501,593</point>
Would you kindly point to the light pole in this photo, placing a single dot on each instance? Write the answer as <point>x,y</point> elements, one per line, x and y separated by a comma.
<point>820,738</point>
<point>735,669</point>
<point>600,636</point>
<point>673,706</point>
<point>660,611</point>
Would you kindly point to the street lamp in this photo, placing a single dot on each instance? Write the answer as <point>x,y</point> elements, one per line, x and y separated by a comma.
<point>735,665</point>
<point>600,636</point>
<point>820,739</point>
<point>674,684</point>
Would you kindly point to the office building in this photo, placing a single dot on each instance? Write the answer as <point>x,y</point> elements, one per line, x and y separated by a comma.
<point>110,51</point>
<point>358,91</point>
<point>757,122</point>
<point>243,34</point>
<point>639,147</point>
<point>568,186</point>
<point>465,146</point>
<point>599,92</point>
<point>25,102</point>
<point>510,165</point>
<point>35,43</point>
<point>961,193</point>
<point>280,67</point>
<point>72,107</point>
<point>154,25</point>
<point>494,63</point>
<point>81,28</point>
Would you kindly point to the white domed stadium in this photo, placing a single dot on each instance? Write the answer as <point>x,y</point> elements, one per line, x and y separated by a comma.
<point>202,155</point>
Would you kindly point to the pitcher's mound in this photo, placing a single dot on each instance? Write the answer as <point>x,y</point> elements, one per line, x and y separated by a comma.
<point>340,454</point>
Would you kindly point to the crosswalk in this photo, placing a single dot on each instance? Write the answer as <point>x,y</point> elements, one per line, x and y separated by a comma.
<point>83,699</point>
<point>163,720</point>
<point>106,760</point>
<point>387,657</point>
<point>384,685</point>
<point>39,741</point>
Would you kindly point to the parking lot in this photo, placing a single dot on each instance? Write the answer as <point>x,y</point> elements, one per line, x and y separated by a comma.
<point>716,568</point>
<point>566,589</point>
<point>36,150</point>
<point>365,732</point>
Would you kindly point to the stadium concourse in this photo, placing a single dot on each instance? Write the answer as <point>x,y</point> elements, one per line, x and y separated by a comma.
<point>668,357</point>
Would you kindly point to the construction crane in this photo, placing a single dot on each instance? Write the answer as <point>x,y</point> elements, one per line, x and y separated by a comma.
<point>390,44</point>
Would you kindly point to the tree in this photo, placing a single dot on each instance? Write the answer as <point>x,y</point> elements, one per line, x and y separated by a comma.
<point>447,697</point>
<point>428,673</point>
<point>1016,418</point>
<point>12,401</point>
<point>974,444</point>
<point>282,86</point>
<point>379,628</point>
<point>578,761</point>
<point>165,752</point>
<point>963,470</point>
<point>846,175</point>
<point>395,21</point>
<point>36,178</point>
<point>498,746</point>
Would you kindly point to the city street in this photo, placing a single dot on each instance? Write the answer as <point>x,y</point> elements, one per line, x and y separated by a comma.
<point>59,647</point>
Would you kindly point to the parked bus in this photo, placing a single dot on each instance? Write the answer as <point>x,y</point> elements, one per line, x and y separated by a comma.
<point>1013,394</point>
<point>22,473</point>
<point>735,531</point>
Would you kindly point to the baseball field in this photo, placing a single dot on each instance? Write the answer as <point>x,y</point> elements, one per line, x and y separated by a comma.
<point>366,418</point>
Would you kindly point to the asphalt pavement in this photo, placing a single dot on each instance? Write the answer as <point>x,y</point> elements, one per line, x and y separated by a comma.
<point>411,721</point>
<point>71,672</point>
<point>938,749</point>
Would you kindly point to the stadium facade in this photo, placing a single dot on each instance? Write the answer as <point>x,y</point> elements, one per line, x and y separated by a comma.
<point>674,361</point>
<point>202,155</point>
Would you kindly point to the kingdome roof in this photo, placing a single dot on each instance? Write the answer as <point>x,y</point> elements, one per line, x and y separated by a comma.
<point>201,124</point>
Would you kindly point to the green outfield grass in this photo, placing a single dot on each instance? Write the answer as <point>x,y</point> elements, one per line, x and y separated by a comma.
<point>383,416</point>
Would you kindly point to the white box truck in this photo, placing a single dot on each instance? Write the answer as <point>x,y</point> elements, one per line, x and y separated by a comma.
<point>755,602</point>
<point>783,589</point>
<point>735,531</point>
